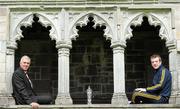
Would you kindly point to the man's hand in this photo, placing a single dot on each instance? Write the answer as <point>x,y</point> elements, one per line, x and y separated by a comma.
<point>140,89</point>
<point>34,105</point>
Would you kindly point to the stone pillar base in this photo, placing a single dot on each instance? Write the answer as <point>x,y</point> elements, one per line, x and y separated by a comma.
<point>174,99</point>
<point>63,99</point>
<point>6,100</point>
<point>119,98</point>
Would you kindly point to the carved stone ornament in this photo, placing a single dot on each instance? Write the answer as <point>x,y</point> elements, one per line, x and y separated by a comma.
<point>97,19</point>
<point>153,20</point>
<point>27,20</point>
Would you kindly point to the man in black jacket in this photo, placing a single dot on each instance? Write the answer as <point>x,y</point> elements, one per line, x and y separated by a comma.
<point>23,92</point>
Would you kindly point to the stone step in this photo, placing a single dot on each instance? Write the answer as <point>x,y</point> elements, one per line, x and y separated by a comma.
<point>98,106</point>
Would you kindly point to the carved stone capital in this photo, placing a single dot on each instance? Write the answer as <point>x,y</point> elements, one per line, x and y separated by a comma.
<point>118,43</point>
<point>63,52</point>
<point>63,44</point>
<point>11,46</point>
<point>63,48</point>
<point>118,47</point>
<point>171,45</point>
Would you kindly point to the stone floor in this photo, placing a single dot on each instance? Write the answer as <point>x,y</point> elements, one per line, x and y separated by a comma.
<point>98,106</point>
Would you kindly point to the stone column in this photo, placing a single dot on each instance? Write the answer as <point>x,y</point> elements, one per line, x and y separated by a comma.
<point>4,80</point>
<point>63,96</point>
<point>178,77</point>
<point>173,69</point>
<point>119,96</point>
<point>178,71</point>
<point>6,85</point>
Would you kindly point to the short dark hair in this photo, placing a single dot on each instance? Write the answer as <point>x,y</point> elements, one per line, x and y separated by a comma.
<point>156,56</point>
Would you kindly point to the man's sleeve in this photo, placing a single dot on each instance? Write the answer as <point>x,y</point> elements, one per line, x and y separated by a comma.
<point>159,84</point>
<point>22,89</point>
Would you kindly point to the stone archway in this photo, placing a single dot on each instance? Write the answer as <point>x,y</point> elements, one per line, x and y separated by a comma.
<point>94,23</point>
<point>165,32</point>
<point>140,47</point>
<point>18,22</point>
<point>91,65</point>
<point>37,44</point>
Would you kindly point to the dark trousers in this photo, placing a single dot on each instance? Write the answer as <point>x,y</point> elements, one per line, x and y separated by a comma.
<point>147,98</point>
<point>44,99</point>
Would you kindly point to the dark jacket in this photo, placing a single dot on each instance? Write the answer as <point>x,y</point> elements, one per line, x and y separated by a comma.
<point>22,90</point>
<point>162,83</point>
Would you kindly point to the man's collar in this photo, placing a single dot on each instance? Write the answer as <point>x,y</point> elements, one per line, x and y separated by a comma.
<point>22,70</point>
<point>160,67</point>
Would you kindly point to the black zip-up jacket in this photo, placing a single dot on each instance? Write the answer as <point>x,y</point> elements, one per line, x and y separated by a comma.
<point>162,83</point>
<point>22,90</point>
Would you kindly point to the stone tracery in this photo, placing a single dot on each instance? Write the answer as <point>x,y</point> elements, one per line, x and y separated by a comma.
<point>152,21</point>
<point>98,22</point>
<point>28,20</point>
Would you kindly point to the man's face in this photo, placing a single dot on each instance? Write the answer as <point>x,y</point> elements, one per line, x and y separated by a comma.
<point>155,62</point>
<point>25,63</point>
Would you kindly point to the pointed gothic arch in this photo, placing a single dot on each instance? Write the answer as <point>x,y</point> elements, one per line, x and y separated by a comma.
<point>28,20</point>
<point>148,23</point>
<point>88,58</point>
<point>97,19</point>
<point>153,20</point>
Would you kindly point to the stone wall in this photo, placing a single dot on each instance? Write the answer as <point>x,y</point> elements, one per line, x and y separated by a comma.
<point>3,34</point>
<point>91,65</point>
